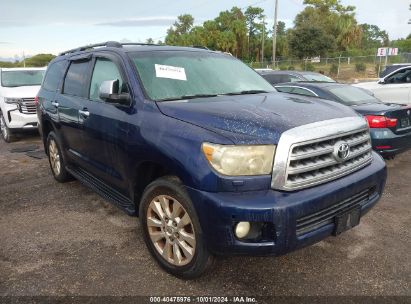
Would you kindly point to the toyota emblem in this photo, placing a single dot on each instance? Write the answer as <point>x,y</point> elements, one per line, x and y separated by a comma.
<point>341,151</point>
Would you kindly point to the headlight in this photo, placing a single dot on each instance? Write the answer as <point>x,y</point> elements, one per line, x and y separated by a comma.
<point>12,100</point>
<point>240,160</point>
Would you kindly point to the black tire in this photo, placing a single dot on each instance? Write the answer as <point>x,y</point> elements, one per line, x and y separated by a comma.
<point>201,260</point>
<point>54,146</point>
<point>6,133</point>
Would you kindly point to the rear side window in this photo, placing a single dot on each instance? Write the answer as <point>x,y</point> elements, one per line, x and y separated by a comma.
<point>284,89</point>
<point>54,75</point>
<point>277,78</point>
<point>301,91</point>
<point>76,79</point>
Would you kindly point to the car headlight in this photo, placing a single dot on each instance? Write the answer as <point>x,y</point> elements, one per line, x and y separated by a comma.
<point>12,100</point>
<point>236,160</point>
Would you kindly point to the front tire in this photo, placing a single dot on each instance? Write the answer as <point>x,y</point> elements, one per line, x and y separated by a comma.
<point>5,131</point>
<point>56,160</point>
<point>171,229</point>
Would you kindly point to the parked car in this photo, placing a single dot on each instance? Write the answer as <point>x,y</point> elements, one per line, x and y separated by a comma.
<point>275,77</point>
<point>393,67</point>
<point>211,158</point>
<point>18,88</point>
<point>393,88</point>
<point>389,123</point>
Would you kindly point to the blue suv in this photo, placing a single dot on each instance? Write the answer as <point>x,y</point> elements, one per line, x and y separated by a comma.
<point>210,157</point>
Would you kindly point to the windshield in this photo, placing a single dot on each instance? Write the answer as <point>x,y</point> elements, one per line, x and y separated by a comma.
<point>352,96</point>
<point>168,75</point>
<point>318,77</point>
<point>21,78</point>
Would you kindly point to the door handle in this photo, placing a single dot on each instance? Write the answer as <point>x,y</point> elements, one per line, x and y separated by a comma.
<point>55,103</point>
<point>84,113</point>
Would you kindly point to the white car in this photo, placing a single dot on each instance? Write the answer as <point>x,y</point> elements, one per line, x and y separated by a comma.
<point>18,89</point>
<point>393,88</point>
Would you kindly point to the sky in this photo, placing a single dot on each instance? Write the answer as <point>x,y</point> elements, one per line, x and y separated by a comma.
<point>50,26</point>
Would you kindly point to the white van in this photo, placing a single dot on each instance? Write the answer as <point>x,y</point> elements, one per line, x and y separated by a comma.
<point>18,89</point>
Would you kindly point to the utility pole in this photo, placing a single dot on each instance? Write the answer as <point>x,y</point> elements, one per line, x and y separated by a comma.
<point>24,60</point>
<point>262,45</point>
<point>275,31</point>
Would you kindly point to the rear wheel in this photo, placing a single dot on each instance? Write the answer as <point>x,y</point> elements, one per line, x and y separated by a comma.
<point>56,160</point>
<point>171,229</point>
<point>5,131</point>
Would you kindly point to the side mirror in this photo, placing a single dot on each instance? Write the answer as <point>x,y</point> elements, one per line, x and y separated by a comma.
<point>109,92</point>
<point>381,81</point>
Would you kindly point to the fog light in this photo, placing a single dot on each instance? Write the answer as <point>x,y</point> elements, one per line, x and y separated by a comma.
<point>242,229</point>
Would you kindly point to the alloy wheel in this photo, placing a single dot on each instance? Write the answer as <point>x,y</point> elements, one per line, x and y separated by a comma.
<point>54,157</point>
<point>171,230</point>
<point>3,126</point>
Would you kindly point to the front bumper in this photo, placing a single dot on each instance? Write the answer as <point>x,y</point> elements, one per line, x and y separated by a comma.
<point>17,120</point>
<point>218,212</point>
<point>385,137</point>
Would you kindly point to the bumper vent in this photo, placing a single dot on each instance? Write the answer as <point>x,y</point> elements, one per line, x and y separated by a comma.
<point>27,106</point>
<point>326,216</point>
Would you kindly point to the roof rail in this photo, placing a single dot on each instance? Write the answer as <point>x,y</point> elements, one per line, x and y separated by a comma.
<point>103,44</point>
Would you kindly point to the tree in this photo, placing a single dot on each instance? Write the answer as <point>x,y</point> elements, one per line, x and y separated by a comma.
<point>254,19</point>
<point>373,36</point>
<point>334,18</point>
<point>280,28</point>
<point>39,60</point>
<point>179,32</point>
<point>150,41</point>
<point>310,42</point>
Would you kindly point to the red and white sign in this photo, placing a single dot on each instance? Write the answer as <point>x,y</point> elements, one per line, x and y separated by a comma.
<point>392,51</point>
<point>382,52</point>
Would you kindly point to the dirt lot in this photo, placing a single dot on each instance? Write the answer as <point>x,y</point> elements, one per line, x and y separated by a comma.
<point>63,239</point>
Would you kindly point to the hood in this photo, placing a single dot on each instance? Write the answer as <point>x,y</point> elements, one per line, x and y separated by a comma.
<point>259,118</point>
<point>20,92</point>
<point>369,85</point>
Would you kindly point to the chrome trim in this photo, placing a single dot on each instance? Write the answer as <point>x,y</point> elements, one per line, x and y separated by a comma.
<point>298,87</point>
<point>317,132</point>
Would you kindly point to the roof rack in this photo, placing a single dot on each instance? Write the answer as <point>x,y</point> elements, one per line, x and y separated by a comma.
<point>103,44</point>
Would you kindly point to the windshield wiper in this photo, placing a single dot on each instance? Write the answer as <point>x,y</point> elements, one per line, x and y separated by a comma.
<point>247,92</point>
<point>187,97</point>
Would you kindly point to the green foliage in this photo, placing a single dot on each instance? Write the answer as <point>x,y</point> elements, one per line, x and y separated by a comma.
<point>281,31</point>
<point>282,67</point>
<point>334,19</point>
<point>404,45</point>
<point>360,67</point>
<point>39,60</point>
<point>150,41</point>
<point>378,68</point>
<point>322,28</point>
<point>6,64</point>
<point>291,68</point>
<point>310,41</point>
<point>373,36</point>
<point>309,67</point>
<point>334,69</point>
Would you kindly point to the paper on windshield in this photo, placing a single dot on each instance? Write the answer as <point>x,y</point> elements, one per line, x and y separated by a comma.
<point>171,72</point>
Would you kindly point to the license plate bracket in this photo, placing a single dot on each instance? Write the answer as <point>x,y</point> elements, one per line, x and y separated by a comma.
<point>347,220</point>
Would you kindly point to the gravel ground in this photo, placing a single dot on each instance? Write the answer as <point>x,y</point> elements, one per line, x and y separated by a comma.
<point>63,239</point>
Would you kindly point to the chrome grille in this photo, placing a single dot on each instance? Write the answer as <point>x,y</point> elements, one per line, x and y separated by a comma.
<point>314,162</point>
<point>308,155</point>
<point>27,106</point>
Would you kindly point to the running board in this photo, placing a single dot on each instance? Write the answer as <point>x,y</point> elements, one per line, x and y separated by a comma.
<point>107,192</point>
